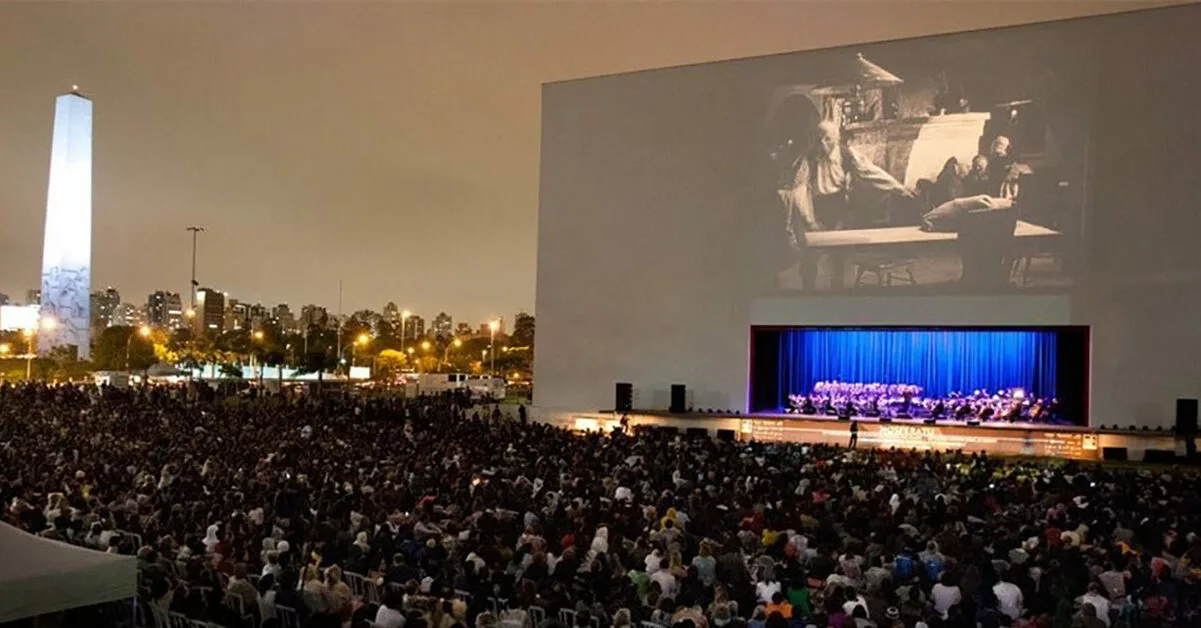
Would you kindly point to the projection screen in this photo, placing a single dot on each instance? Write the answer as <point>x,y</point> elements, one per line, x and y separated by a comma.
<point>1035,175</point>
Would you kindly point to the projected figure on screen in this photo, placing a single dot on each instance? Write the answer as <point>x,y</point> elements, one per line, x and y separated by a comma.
<point>831,181</point>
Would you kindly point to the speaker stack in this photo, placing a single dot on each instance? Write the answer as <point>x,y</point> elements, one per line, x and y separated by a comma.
<point>679,401</point>
<point>1186,417</point>
<point>1186,426</point>
<point>624,401</point>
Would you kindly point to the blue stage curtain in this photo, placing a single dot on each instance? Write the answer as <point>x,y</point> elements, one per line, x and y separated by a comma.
<point>939,361</point>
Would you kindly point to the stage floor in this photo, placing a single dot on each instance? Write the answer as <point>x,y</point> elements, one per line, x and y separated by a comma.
<point>1005,425</point>
<point>1007,439</point>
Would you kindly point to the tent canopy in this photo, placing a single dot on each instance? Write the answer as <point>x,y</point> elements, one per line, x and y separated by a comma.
<point>162,369</point>
<point>40,576</point>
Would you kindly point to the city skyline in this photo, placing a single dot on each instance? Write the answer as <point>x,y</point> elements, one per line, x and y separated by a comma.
<point>165,309</point>
<point>392,147</point>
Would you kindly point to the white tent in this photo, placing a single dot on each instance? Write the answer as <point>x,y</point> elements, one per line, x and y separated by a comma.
<point>40,576</point>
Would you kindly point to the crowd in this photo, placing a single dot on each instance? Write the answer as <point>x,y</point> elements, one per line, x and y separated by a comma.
<point>431,513</point>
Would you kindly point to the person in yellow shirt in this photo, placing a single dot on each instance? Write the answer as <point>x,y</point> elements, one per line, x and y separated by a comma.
<point>779,605</point>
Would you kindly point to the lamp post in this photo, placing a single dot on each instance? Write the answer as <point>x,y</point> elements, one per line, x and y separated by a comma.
<point>362,341</point>
<point>195,233</point>
<point>404,317</point>
<point>29,334</point>
<point>493,327</point>
<point>456,343</point>
<point>256,363</point>
<point>143,332</point>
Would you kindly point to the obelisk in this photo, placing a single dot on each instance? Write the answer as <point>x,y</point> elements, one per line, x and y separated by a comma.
<point>67,248</point>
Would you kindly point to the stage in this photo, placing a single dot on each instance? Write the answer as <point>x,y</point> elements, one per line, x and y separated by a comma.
<point>1019,439</point>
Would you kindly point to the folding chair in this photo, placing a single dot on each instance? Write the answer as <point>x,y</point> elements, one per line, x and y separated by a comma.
<point>287,617</point>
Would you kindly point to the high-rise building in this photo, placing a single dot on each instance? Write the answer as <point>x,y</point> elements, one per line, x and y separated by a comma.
<point>67,244</point>
<point>237,314</point>
<point>257,315</point>
<point>443,326</point>
<point>210,311</point>
<point>128,315</point>
<point>3,299</point>
<point>313,316</point>
<point>104,307</point>
<point>164,310</point>
<point>33,297</point>
<point>486,328</point>
<point>284,318</point>
<point>391,313</point>
<point>414,328</point>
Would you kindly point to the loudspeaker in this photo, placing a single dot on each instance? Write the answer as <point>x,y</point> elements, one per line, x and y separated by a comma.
<point>726,436</point>
<point>1159,456</point>
<point>679,405</point>
<point>1113,453</point>
<point>930,422</point>
<point>625,397</point>
<point>1186,416</point>
<point>697,432</point>
<point>885,419</point>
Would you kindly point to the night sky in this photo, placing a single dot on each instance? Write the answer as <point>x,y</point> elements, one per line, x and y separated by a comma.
<point>393,146</point>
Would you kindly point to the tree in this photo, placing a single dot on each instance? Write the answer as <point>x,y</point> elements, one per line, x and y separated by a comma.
<point>189,350</point>
<point>317,352</point>
<point>116,344</point>
<point>523,331</point>
<point>389,364</point>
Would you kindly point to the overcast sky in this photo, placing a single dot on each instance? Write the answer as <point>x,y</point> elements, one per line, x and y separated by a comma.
<point>394,146</point>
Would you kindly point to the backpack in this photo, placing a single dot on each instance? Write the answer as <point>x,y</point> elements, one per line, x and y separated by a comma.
<point>903,567</point>
<point>934,568</point>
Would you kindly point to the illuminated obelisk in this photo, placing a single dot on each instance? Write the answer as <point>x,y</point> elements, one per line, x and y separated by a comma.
<point>67,249</point>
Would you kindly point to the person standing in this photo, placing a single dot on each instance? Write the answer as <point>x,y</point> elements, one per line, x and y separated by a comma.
<point>827,194</point>
<point>854,433</point>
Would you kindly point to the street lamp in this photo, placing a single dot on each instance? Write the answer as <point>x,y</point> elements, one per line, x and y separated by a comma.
<point>143,332</point>
<point>363,340</point>
<point>29,335</point>
<point>48,323</point>
<point>254,358</point>
<point>404,316</point>
<point>456,343</point>
<point>493,327</point>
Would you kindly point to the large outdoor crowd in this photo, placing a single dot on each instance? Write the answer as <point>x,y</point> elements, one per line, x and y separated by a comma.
<point>290,510</point>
